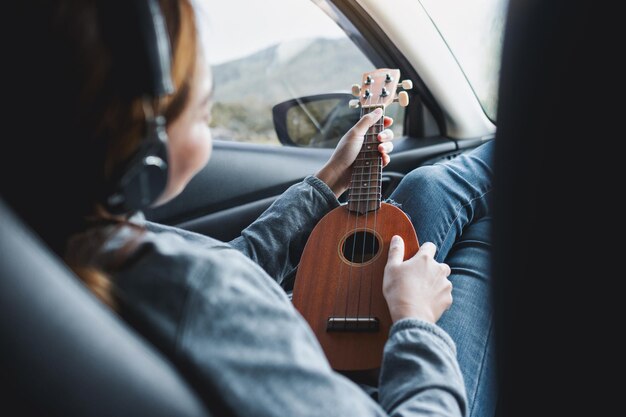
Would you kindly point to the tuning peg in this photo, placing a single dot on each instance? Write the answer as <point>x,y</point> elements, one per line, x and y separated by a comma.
<point>406,84</point>
<point>354,104</point>
<point>356,90</point>
<point>403,98</point>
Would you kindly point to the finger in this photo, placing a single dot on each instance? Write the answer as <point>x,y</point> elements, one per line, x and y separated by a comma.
<point>387,121</point>
<point>428,249</point>
<point>396,251</point>
<point>386,147</point>
<point>386,135</point>
<point>367,121</point>
<point>446,269</point>
<point>386,159</point>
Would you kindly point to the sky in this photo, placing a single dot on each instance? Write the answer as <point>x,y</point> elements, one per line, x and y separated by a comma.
<point>261,23</point>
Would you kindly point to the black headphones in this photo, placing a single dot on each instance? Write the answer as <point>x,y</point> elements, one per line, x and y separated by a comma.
<point>142,179</point>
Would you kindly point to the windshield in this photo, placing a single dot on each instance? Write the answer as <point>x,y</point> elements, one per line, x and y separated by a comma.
<point>473,30</point>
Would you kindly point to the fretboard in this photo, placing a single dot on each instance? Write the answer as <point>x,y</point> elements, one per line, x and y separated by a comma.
<point>364,194</point>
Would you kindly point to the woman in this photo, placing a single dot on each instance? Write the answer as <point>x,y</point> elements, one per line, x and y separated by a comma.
<point>219,316</point>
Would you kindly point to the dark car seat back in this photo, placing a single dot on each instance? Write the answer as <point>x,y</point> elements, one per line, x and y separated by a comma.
<point>63,353</point>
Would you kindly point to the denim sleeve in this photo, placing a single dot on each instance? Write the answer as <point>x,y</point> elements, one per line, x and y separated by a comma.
<point>420,374</point>
<point>245,344</point>
<point>275,241</point>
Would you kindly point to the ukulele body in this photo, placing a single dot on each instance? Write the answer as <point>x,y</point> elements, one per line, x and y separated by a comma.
<point>338,286</point>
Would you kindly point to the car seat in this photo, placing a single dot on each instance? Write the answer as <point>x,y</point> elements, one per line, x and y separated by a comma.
<point>63,353</point>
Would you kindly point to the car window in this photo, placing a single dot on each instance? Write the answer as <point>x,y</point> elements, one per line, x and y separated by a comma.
<point>473,30</point>
<point>278,50</point>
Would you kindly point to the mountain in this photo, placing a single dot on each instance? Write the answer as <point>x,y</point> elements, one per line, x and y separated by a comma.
<point>246,89</point>
<point>289,70</point>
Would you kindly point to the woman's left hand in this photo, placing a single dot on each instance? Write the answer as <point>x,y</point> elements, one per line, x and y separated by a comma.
<point>338,170</point>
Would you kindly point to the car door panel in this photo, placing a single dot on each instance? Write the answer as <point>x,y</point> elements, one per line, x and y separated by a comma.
<point>238,174</point>
<point>227,224</point>
<point>242,180</point>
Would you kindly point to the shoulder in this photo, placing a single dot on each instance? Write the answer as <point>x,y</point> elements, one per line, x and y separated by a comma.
<point>170,283</point>
<point>169,265</point>
<point>169,256</point>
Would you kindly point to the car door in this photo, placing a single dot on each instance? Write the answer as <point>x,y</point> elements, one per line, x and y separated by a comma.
<point>273,52</point>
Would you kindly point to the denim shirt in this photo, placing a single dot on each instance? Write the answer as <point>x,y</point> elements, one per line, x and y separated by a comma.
<point>217,311</point>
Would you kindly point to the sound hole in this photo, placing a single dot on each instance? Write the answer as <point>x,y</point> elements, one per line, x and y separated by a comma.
<point>360,247</point>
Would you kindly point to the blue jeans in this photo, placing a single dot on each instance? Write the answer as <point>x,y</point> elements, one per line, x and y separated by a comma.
<point>448,204</point>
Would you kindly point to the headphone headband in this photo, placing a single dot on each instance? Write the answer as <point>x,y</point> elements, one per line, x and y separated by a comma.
<point>157,47</point>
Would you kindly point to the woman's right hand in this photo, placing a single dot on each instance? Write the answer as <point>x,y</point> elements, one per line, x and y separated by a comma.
<point>418,287</point>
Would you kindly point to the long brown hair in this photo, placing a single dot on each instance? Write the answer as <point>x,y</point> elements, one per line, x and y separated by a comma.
<point>79,123</point>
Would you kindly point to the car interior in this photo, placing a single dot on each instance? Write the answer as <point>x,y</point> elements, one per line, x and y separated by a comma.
<point>67,354</point>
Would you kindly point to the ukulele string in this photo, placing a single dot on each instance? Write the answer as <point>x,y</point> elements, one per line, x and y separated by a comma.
<point>356,224</point>
<point>369,142</point>
<point>347,230</point>
<point>379,168</point>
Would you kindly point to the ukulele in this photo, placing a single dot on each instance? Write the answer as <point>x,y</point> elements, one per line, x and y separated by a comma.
<point>338,286</point>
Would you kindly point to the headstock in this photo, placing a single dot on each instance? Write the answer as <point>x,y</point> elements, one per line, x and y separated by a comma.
<point>379,88</point>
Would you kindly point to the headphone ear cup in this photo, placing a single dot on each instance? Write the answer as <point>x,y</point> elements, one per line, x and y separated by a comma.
<point>146,185</point>
<point>142,179</point>
<point>145,177</point>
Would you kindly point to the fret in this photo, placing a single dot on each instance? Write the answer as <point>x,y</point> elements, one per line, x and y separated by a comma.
<point>374,169</point>
<point>356,201</point>
<point>365,190</point>
<point>363,180</point>
<point>358,180</point>
<point>373,155</point>
<point>365,200</point>
<point>368,193</point>
<point>352,197</point>
<point>373,145</point>
<point>365,184</point>
<point>368,173</point>
<point>367,162</point>
<point>363,187</point>
<point>366,170</point>
<point>362,197</point>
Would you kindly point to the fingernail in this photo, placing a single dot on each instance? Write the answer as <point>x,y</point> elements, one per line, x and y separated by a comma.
<point>378,111</point>
<point>395,240</point>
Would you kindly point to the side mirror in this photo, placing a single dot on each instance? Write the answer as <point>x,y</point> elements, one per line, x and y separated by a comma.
<point>317,121</point>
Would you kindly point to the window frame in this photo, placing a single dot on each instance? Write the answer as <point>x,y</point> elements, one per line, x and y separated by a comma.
<point>375,45</point>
